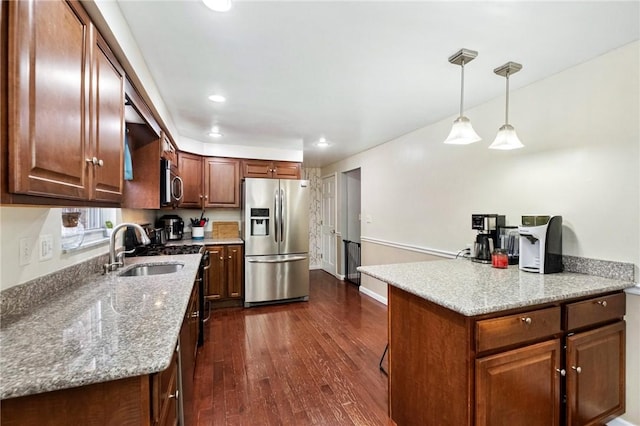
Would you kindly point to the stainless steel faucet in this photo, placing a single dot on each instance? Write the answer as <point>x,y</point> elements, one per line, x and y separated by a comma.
<point>115,260</point>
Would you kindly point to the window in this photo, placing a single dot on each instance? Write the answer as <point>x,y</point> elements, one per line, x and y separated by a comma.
<point>89,230</point>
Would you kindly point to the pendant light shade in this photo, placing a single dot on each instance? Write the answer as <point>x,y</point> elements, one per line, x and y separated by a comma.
<point>462,132</point>
<point>507,138</point>
<point>218,5</point>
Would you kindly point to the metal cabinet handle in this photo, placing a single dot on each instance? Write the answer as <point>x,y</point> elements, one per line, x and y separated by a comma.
<point>174,395</point>
<point>195,314</point>
<point>561,371</point>
<point>95,161</point>
<point>578,369</point>
<point>526,320</point>
<point>602,303</point>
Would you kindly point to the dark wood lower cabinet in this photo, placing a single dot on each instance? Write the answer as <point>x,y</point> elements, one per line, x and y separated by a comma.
<point>596,375</point>
<point>225,276</point>
<point>513,368</point>
<point>519,387</point>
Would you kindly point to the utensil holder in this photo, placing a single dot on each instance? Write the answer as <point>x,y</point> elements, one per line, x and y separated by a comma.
<point>197,233</point>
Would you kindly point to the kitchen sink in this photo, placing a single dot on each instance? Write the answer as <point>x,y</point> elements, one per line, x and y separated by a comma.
<point>151,269</point>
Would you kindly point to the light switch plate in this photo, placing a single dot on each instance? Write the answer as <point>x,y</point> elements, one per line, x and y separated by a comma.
<point>46,247</point>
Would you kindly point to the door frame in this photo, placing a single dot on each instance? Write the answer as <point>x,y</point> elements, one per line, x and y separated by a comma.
<point>335,234</point>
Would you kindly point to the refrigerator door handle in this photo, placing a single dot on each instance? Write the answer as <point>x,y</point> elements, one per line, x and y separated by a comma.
<point>272,260</point>
<point>276,215</point>
<point>283,219</point>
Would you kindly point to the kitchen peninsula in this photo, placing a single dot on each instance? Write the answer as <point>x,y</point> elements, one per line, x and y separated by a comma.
<point>470,344</point>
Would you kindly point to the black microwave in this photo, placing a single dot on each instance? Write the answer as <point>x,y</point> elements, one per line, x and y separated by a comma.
<point>171,186</point>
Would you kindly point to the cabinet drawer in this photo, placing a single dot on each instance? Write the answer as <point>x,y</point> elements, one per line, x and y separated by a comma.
<point>594,311</point>
<point>520,328</point>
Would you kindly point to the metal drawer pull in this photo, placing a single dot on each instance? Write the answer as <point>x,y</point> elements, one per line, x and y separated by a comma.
<point>561,371</point>
<point>578,369</point>
<point>602,303</point>
<point>174,395</point>
<point>526,320</point>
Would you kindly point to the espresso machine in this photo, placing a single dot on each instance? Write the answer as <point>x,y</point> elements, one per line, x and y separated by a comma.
<point>487,226</point>
<point>541,244</point>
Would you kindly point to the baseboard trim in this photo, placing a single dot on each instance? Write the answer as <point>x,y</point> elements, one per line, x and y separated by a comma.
<point>620,422</point>
<point>373,295</point>
<point>314,267</point>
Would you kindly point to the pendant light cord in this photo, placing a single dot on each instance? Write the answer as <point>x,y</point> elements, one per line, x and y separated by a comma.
<point>506,113</point>
<point>462,88</point>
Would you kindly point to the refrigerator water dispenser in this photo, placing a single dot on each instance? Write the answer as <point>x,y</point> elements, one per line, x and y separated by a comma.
<point>259,222</point>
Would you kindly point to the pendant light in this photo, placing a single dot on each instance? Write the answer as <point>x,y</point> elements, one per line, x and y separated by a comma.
<point>507,138</point>
<point>462,132</point>
<point>218,5</point>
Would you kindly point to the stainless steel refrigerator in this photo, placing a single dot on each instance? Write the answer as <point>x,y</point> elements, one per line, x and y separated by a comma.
<point>275,228</point>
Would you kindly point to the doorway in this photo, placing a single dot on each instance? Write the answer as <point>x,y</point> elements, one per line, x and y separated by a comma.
<point>351,236</point>
<point>328,224</point>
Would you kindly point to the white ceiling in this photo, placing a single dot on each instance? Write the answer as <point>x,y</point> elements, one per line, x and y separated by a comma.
<point>358,73</point>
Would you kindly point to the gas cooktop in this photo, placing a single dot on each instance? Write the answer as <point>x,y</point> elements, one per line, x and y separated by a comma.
<point>160,250</point>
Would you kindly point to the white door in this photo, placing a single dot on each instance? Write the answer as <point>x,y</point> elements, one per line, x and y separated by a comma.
<point>328,224</point>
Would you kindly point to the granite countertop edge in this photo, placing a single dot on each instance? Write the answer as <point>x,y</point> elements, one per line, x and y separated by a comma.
<point>106,328</point>
<point>411,278</point>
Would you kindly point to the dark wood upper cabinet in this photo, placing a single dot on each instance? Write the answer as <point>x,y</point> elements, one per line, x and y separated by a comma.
<point>271,169</point>
<point>190,167</point>
<point>108,124</point>
<point>209,182</point>
<point>49,82</point>
<point>221,182</point>
<point>65,105</point>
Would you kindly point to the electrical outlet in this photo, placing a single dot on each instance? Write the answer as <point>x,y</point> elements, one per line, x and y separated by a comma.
<point>46,247</point>
<point>25,251</point>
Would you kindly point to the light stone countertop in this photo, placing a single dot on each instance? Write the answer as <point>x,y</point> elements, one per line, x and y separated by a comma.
<point>105,328</point>
<point>474,289</point>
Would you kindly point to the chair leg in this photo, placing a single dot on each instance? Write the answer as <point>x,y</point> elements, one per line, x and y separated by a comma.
<point>386,349</point>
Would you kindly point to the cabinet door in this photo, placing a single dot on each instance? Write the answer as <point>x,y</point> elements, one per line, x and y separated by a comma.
<point>596,375</point>
<point>286,170</point>
<point>188,350</point>
<point>235,262</point>
<point>48,95</point>
<point>216,283</point>
<point>519,387</point>
<point>257,169</point>
<point>190,167</point>
<point>221,182</point>
<point>108,125</point>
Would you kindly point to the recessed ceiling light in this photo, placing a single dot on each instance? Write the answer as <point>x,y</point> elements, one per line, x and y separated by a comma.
<point>218,5</point>
<point>217,98</point>
<point>215,134</point>
<point>322,143</point>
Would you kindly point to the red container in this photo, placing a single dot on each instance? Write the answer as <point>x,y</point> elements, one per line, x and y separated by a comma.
<point>499,259</point>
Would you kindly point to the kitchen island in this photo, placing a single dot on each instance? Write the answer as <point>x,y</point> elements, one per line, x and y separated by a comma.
<point>474,345</point>
<point>107,333</point>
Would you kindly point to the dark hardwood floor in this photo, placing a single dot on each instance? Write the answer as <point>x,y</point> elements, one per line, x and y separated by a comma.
<point>304,363</point>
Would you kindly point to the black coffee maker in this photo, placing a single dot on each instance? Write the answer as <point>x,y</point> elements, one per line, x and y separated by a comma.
<point>487,226</point>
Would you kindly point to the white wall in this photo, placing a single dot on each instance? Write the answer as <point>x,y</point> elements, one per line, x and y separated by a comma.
<point>30,223</point>
<point>581,160</point>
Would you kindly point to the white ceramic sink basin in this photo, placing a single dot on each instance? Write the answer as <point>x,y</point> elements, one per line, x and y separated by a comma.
<point>151,269</point>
